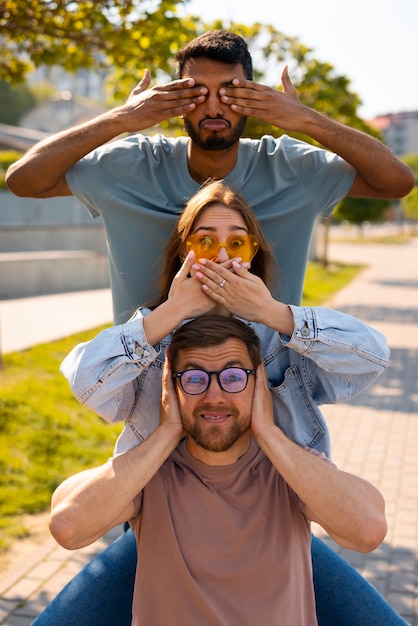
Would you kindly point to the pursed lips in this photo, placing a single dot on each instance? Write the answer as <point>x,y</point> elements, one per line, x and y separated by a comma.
<point>214,124</point>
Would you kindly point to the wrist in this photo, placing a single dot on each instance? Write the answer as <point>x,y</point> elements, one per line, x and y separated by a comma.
<point>119,120</point>
<point>172,432</point>
<point>263,433</point>
<point>279,317</point>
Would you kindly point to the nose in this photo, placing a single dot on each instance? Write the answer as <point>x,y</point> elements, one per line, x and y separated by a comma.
<point>222,255</point>
<point>214,107</point>
<point>214,392</point>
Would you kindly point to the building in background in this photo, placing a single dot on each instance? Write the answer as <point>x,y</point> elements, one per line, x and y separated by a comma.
<point>400,131</point>
<point>78,97</point>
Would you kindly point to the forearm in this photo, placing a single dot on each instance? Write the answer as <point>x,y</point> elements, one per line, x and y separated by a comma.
<point>89,504</point>
<point>275,315</point>
<point>164,319</point>
<point>350,509</point>
<point>41,171</point>
<point>380,172</point>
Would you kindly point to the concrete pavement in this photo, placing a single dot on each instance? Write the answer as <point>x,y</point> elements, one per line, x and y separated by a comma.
<point>26,322</point>
<point>375,436</point>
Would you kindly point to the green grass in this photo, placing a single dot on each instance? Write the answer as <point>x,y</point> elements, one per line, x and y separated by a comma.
<point>395,238</point>
<point>321,283</point>
<point>46,435</point>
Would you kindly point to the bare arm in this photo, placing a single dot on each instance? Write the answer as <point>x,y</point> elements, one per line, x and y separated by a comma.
<point>41,171</point>
<point>88,504</point>
<point>380,174</point>
<point>349,508</point>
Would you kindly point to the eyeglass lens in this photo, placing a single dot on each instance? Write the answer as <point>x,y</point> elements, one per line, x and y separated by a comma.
<point>230,379</point>
<point>207,246</point>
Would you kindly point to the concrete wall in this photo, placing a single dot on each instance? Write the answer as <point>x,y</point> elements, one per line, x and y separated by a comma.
<point>37,211</point>
<point>28,237</point>
<point>49,245</point>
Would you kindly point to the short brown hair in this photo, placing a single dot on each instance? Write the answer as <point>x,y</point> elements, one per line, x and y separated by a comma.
<point>213,330</point>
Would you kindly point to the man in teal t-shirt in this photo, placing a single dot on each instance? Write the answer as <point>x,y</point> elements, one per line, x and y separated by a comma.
<point>139,184</point>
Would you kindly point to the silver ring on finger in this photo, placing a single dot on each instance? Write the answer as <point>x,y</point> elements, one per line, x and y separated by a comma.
<point>222,283</point>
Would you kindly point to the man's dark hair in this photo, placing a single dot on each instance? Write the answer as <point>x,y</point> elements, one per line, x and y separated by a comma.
<point>218,45</point>
<point>213,330</point>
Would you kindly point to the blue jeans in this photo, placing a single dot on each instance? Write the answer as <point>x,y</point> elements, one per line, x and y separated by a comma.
<point>101,594</point>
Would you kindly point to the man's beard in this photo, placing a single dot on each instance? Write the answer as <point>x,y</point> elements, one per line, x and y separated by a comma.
<point>216,438</point>
<point>215,141</point>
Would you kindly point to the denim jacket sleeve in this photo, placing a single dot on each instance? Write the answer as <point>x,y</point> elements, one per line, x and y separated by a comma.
<point>104,373</point>
<point>339,355</point>
<point>330,357</point>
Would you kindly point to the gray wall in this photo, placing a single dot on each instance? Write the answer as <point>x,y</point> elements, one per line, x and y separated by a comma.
<point>49,245</point>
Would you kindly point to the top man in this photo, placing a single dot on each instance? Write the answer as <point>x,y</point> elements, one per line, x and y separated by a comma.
<point>139,184</point>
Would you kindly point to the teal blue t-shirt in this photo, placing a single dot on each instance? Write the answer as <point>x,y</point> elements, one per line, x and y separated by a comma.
<point>139,186</point>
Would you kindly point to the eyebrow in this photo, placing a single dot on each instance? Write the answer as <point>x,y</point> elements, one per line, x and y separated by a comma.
<point>212,229</point>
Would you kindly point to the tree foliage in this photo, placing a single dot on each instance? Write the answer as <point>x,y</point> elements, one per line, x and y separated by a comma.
<point>88,33</point>
<point>357,210</point>
<point>15,101</point>
<point>127,36</point>
<point>409,204</point>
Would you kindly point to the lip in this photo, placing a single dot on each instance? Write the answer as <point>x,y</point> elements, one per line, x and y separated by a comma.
<point>215,418</point>
<point>214,125</point>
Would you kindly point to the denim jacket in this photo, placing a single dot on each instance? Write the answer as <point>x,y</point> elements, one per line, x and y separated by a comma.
<point>330,357</point>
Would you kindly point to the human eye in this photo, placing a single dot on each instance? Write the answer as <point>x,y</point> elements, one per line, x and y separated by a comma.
<point>194,378</point>
<point>233,375</point>
<point>235,243</point>
<point>206,242</point>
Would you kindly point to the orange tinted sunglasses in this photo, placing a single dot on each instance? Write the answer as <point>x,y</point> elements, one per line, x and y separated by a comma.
<point>208,246</point>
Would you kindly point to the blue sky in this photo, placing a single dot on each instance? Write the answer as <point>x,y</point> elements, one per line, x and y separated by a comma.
<point>372,42</point>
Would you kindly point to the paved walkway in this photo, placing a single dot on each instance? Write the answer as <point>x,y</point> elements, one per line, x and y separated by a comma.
<point>376,436</point>
<point>26,322</point>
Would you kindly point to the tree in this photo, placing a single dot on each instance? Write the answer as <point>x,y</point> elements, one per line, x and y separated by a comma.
<point>88,33</point>
<point>127,36</point>
<point>357,210</point>
<point>15,101</point>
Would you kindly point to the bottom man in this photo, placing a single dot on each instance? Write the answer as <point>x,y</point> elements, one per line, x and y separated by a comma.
<point>219,498</point>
